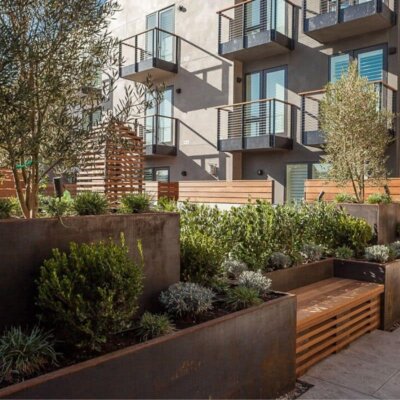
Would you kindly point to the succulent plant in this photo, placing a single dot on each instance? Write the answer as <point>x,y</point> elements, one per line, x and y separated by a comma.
<point>254,280</point>
<point>187,299</point>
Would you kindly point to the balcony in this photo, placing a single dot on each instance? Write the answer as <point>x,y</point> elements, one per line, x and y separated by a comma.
<point>267,124</point>
<point>331,20</point>
<point>159,134</point>
<point>312,135</point>
<point>154,52</point>
<point>256,29</point>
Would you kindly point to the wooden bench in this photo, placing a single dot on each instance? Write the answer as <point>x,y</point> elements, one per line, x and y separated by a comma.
<point>331,314</point>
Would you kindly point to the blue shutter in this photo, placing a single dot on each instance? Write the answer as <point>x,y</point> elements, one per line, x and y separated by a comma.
<point>339,66</point>
<point>370,65</point>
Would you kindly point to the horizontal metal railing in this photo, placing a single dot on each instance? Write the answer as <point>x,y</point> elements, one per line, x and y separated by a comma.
<point>253,16</point>
<point>310,102</point>
<point>313,8</point>
<point>272,117</point>
<point>153,43</point>
<point>157,130</point>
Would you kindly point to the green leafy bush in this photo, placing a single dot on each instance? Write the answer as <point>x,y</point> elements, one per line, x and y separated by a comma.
<point>233,268</point>
<point>90,293</point>
<point>379,198</point>
<point>312,252</point>
<point>135,203</point>
<point>166,204</point>
<point>201,258</point>
<point>187,299</point>
<point>395,249</point>
<point>255,280</point>
<point>90,203</point>
<point>279,260</point>
<point>241,297</point>
<point>151,326</point>
<point>25,354</point>
<point>378,253</point>
<point>58,207</point>
<point>6,208</point>
<point>345,198</point>
<point>344,252</point>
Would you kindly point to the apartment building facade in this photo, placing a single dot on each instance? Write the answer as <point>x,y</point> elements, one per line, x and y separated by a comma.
<point>243,81</point>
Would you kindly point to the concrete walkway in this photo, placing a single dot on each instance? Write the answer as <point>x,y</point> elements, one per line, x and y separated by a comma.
<point>368,369</point>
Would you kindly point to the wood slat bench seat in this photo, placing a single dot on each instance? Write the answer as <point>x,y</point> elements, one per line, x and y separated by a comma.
<point>331,314</point>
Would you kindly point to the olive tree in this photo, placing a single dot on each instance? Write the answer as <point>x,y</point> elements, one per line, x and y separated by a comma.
<point>58,64</point>
<point>356,130</point>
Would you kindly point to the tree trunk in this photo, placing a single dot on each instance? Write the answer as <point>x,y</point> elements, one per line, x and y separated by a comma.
<point>20,193</point>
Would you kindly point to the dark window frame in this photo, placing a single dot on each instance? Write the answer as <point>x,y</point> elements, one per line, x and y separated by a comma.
<point>154,173</point>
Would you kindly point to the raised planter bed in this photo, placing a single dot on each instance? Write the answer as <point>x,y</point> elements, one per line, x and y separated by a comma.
<point>387,274</point>
<point>288,279</point>
<point>246,354</point>
<point>382,218</point>
<point>25,244</point>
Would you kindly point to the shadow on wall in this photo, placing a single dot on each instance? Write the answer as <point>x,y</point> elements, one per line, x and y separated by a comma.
<point>205,77</point>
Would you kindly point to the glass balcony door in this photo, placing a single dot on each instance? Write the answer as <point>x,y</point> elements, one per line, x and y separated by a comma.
<point>161,44</point>
<point>275,89</point>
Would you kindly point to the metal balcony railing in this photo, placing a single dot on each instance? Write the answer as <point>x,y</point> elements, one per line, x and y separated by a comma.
<point>272,117</point>
<point>313,8</point>
<point>254,16</point>
<point>157,130</point>
<point>154,43</point>
<point>310,102</point>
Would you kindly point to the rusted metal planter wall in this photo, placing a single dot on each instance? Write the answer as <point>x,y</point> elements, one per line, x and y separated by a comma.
<point>292,278</point>
<point>248,354</point>
<point>387,274</point>
<point>25,244</point>
<point>382,218</point>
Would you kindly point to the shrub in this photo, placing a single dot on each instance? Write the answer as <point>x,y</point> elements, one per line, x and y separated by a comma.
<point>135,203</point>
<point>16,207</point>
<point>233,268</point>
<point>90,203</point>
<point>242,297</point>
<point>378,253</point>
<point>395,249</point>
<point>279,260</point>
<point>344,252</point>
<point>58,207</point>
<point>24,354</point>
<point>201,258</point>
<point>6,208</point>
<point>312,252</point>
<point>254,280</point>
<point>378,198</point>
<point>166,204</point>
<point>91,293</point>
<point>187,299</point>
<point>152,325</point>
<point>345,198</point>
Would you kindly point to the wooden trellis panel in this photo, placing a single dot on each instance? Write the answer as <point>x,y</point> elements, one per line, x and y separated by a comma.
<point>117,170</point>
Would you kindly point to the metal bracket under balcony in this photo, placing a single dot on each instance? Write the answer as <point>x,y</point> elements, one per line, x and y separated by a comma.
<point>159,133</point>
<point>328,21</point>
<point>260,125</point>
<point>256,29</point>
<point>154,53</point>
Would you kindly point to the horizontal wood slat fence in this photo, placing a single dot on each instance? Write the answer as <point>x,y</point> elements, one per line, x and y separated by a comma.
<point>313,187</point>
<point>219,192</point>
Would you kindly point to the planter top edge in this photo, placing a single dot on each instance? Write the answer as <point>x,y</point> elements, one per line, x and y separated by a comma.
<point>93,362</point>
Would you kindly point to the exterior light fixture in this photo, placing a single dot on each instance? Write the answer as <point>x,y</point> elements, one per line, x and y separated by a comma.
<point>184,173</point>
<point>260,172</point>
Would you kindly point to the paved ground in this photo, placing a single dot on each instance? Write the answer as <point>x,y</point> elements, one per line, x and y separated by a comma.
<point>368,369</point>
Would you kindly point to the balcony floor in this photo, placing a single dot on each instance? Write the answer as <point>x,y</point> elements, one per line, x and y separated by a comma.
<point>160,150</point>
<point>157,68</point>
<point>354,20</point>
<point>255,143</point>
<point>256,46</point>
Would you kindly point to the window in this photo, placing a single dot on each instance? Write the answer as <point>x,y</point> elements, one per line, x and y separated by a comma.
<point>298,173</point>
<point>371,63</point>
<point>158,174</point>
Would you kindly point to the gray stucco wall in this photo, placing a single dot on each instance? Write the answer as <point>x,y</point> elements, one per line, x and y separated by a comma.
<point>25,244</point>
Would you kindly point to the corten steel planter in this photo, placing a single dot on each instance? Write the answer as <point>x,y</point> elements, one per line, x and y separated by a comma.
<point>288,279</point>
<point>382,218</point>
<point>387,274</point>
<point>25,244</point>
<point>247,354</point>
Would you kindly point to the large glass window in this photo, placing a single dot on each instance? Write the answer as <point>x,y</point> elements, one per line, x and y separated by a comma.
<point>159,174</point>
